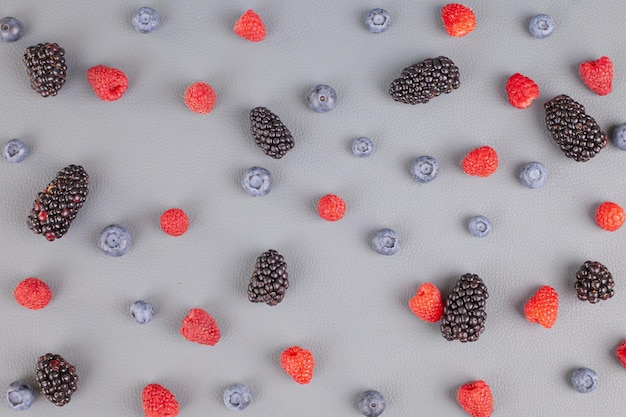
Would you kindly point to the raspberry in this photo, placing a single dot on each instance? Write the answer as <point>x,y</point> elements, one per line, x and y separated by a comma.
<point>598,75</point>
<point>174,222</point>
<point>331,207</point>
<point>610,216</point>
<point>109,84</point>
<point>32,293</point>
<point>481,162</point>
<point>543,307</point>
<point>250,26</point>
<point>298,363</point>
<point>620,352</point>
<point>427,303</point>
<point>158,401</point>
<point>476,399</point>
<point>198,326</point>
<point>458,20</point>
<point>200,98</point>
<point>521,91</point>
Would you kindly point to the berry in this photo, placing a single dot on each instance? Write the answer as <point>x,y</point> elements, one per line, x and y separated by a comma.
<point>424,169</point>
<point>598,75</point>
<point>594,282</point>
<point>534,175</point>
<point>386,242</point>
<point>57,378</point>
<point>32,293</point>
<point>425,80</point>
<point>619,136</point>
<point>610,216</point>
<point>584,380</point>
<point>269,279</point>
<point>11,29</point>
<point>458,20</point>
<point>464,310</point>
<point>270,134</point>
<point>321,98</point>
<point>521,91</point>
<point>257,181</point>
<point>141,311</point>
<point>158,401</point>
<point>200,98</point>
<point>45,64</point>
<point>237,397</point>
<point>250,26</point>
<point>174,222</point>
<point>146,20</point>
<point>362,147</point>
<point>479,226</point>
<point>371,403</point>
<point>481,162</point>
<point>109,84</point>
<point>377,20</point>
<point>298,363</point>
<point>427,304</point>
<point>543,307</point>
<point>541,26</point>
<point>620,353</point>
<point>15,151</point>
<point>475,398</point>
<point>331,207</point>
<point>198,326</point>
<point>115,240</point>
<point>19,395</point>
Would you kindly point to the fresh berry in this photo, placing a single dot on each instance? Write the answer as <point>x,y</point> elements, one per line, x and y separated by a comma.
<point>543,307</point>
<point>45,64</point>
<point>141,311</point>
<point>521,91</point>
<point>427,304</point>
<point>534,175</point>
<point>479,226</point>
<point>57,205</point>
<point>619,137</point>
<point>174,222</point>
<point>377,20</point>
<point>257,181</point>
<point>594,282</point>
<point>269,132</point>
<point>598,75</point>
<point>237,397</point>
<point>109,84</point>
<point>32,293</point>
<point>19,395</point>
<point>458,20</point>
<point>57,378</point>
<point>331,207</point>
<point>158,401</point>
<point>200,98</point>
<point>620,353</point>
<point>11,29</point>
<point>481,162</point>
<point>269,279</point>
<point>371,403</point>
<point>321,98</point>
<point>464,310</point>
<point>115,240</point>
<point>146,20</point>
<point>577,133</point>
<point>298,363</point>
<point>362,147</point>
<point>425,80</point>
<point>584,380</point>
<point>386,242</point>
<point>541,26</point>
<point>15,151</point>
<point>424,169</point>
<point>475,398</point>
<point>610,216</point>
<point>198,326</point>
<point>250,26</point>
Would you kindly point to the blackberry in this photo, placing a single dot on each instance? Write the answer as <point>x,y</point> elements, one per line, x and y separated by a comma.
<point>45,63</point>
<point>425,80</point>
<point>269,280</point>
<point>57,205</point>
<point>577,133</point>
<point>464,311</point>
<point>270,134</point>
<point>594,282</point>
<point>57,378</point>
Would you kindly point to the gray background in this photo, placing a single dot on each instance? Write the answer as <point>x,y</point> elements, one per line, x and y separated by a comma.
<point>147,152</point>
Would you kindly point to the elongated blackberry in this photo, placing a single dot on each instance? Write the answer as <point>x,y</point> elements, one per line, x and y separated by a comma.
<point>425,80</point>
<point>269,280</point>
<point>270,134</point>
<point>57,378</point>
<point>577,133</point>
<point>464,311</point>
<point>57,205</point>
<point>45,64</point>
<point>594,282</point>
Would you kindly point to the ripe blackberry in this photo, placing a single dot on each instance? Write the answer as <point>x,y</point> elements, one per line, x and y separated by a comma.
<point>57,205</point>
<point>464,311</point>
<point>594,282</point>
<point>427,79</point>
<point>269,280</point>
<point>577,133</point>
<point>57,378</point>
<point>270,134</point>
<point>45,64</point>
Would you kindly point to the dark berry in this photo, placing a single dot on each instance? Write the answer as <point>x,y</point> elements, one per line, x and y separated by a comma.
<point>45,64</point>
<point>464,310</point>
<point>269,280</point>
<point>270,134</point>
<point>425,80</point>
<point>57,378</point>
<point>594,282</point>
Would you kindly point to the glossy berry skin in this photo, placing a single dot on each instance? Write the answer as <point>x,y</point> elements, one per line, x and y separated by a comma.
<point>479,226</point>
<point>142,312</point>
<point>386,242</point>
<point>619,136</point>
<point>377,20</point>
<point>15,151</point>
<point>541,26</point>
<point>11,29</point>
<point>424,169</point>
<point>584,380</point>
<point>146,20</point>
<point>19,396</point>
<point>362,147</point>
<point>534,175</point>
<point>237,397</point>
<point>257,181</point>
<point>115,240</point>
<point>321,98</point>
<point>371,403</point>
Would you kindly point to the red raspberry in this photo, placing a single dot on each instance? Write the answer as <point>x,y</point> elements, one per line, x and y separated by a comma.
<point>481,162</point>
<point>174,222</point>
<point>620,352</point>
<point>331,207</point>
<point>458,20</point>
<point>200,98</point>
<point>476,399</point>
<point>610,216</point>
<point>521,91</point>
<point>298,363</point>
<point>109,84</point>
<point>32,293</point>
<point>158,401</point>
<point>250,26</point>
<point>598,75</point>
<point>543,307</point>
<point>427,303</point>
<point>198,326</point>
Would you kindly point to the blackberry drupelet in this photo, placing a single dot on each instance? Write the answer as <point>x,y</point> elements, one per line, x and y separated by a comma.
<point>594,282</point>
<point>464,310</point>
<point>270,134</point>
<point>269,280</point>
<point>577,133</point>
<point>45,64</point>
<point>56,206</point>
<point>425,80</point>
<point>57,378</point>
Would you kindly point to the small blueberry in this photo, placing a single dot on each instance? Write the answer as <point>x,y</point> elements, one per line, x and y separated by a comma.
<point>141,311</point>
<point>257,181</point>
<point>19,396</point>
<point>11,29</point>
<point>377,20</point>
<point>15,150</point>
<point>362,147</point>
<point>386,242</point>
<point>237,397</point>
<point>541,26</point>
<point>371,403</point>
<point>584,380</point>
<point>425,169</point>
<point>479,226</point>
<point>115,240</point>
<point>146,20</point>
<point>619,136</point>
<point>534,175</point>
<point>321,98</point>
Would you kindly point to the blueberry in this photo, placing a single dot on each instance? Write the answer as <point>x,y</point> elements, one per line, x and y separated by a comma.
<point>321,98</point>
<point>541,26</point>
<point>584,380</point>
<point>619,136</point>
<point>362,147</point>
<point>424,169</point>
<point>19,395</point>
<point>377,20</point>
<point>479,226</point>
<point>141,311</point>
<point>371,403</point>
<point>534,175</point>
<point>146,20</point>
<point>386,242</point>
<point>15,150</point>
<point>237,397</point>
<point>115,240</point>
<point>11,29</point>
<point>257,181</point>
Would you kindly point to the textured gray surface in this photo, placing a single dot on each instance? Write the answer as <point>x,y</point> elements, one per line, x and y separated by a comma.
<point>147,152</point>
